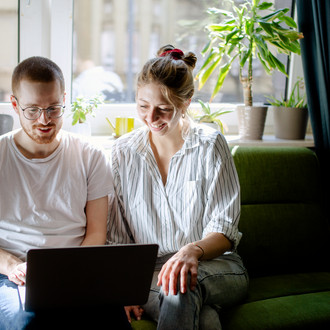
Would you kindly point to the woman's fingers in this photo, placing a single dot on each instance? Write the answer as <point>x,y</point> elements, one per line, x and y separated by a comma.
<point>176,269</point>
<point>193,278</point>
<point>183,280</point>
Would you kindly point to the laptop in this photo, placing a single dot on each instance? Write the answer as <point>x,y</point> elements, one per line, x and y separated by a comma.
<point>89,275</point>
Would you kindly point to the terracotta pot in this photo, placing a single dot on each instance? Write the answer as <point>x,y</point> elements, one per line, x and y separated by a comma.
<point>290,123</point>
<point>6,123</point>
<point>251,121</point>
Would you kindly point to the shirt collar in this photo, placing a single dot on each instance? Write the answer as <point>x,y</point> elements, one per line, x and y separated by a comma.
<point>141,143</point>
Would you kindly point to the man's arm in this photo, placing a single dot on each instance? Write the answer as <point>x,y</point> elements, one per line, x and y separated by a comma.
<point>13,267</point>
<point>96,227</point>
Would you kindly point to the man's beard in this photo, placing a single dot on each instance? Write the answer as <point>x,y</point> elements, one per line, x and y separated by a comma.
<point>41,139</point>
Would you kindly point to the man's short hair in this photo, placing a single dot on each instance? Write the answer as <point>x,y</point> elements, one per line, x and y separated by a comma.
<point>37,69</point>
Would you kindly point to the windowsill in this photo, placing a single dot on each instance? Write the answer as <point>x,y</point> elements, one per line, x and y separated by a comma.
<point>270,141</point>
<point>106,141</point>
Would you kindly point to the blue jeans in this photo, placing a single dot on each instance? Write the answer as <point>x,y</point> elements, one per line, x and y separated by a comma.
<point>221,282</point>
<point>13,317</point>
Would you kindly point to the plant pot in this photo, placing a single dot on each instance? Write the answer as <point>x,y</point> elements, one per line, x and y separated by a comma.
<point>290,123</point>
<point>82,129</point>
<point>212,125</point>
<point>6,123</point>
<point>251,121</point>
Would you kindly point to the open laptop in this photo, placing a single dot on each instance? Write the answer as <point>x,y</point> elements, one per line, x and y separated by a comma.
<point>91,275</point>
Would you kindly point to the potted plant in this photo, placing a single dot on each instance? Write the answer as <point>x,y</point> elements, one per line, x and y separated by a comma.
<point>243,34</point>
<point>208,117</point>
<point>291,114</point>
<point>80,109</point>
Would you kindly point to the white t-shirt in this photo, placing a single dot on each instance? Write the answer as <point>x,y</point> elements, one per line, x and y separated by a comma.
<point>42,201</point>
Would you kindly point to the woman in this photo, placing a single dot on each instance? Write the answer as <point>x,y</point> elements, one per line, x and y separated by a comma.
<point>177,186</point>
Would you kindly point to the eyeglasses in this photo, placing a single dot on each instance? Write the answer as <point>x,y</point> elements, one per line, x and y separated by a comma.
<point>33,113</point>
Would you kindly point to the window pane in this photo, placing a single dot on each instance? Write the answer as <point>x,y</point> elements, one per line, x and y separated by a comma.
<point>9,45</point>
<point>114,38</point>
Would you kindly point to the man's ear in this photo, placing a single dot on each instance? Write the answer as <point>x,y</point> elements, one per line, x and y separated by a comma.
<point>14,103</point>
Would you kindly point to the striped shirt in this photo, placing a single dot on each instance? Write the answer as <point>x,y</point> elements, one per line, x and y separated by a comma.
<point>201,195</point>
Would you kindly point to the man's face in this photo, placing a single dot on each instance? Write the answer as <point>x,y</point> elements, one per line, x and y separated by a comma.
<point>43,95</point>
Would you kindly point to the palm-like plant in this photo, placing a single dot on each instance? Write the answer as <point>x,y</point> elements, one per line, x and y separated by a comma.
<point>208,116</point>
<point>245,34</point>
<point>296,99</point>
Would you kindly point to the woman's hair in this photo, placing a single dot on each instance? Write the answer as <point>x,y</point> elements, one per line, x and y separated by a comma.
<point>172,70</point>
<point>38,69</point>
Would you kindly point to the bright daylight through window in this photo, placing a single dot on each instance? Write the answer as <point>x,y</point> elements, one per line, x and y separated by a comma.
<point>113,38</point>
<point>9,45</point>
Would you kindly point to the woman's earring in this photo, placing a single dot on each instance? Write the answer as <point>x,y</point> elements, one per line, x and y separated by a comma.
<point>183,115</point>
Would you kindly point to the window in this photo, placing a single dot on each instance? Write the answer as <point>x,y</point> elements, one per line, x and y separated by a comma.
<point>101,45</point>
<point>114,38</point>
<point>9,46</point>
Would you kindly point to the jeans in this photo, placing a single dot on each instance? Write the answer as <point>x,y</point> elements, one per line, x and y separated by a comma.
<point>13,317</point>
<point>221,282</point>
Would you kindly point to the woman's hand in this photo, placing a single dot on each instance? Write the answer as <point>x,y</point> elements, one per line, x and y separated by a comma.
<point>18,274</point>
<point>183,262</point>
<point>136,310</point>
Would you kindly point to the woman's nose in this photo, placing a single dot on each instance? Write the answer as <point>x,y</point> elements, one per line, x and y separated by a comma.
<point>152,115</point>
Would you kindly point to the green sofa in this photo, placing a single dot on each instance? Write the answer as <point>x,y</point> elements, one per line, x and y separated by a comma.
<point>285,244</point>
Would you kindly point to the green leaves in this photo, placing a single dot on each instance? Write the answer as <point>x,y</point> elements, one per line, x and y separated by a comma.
<point>264,5</point>
<point>82,107</point>
<point>208,116</point>
<point>296,99</point>
<point>246,32</point>
<point>221,77</point>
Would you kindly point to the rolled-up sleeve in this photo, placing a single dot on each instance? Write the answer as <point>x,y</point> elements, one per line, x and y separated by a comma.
<point>222,209</point>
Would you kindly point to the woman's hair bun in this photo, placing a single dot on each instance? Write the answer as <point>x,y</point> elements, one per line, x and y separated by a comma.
<point>177,54</point>
<point>190,59</point>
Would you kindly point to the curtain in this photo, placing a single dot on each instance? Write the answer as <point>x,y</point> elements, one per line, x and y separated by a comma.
<point>314,22</point>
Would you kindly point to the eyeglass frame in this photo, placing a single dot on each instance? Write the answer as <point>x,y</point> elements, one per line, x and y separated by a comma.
<point>40,110</point>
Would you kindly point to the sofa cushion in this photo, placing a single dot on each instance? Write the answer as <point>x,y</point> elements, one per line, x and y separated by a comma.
<point>282,221</point>
<point>144,324</point>
<point>299,311</point>
<point>269,287</point>
<point>283,175</point>
<point>283,238</point>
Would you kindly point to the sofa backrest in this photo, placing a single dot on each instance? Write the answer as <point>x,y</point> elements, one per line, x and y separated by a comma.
<point>282,221</point>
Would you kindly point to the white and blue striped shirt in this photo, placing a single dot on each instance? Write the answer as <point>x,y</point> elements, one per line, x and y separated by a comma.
<point>201,194</point>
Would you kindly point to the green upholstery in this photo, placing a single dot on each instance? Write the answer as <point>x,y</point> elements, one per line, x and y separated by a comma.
<point>144,324</point>
<point>285,244</point>
<point>303,311</point>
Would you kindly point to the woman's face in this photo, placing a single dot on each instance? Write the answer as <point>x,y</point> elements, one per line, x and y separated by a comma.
<point>156,112</point>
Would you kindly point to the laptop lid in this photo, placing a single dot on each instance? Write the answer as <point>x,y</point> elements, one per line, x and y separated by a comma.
<point>91,275</point>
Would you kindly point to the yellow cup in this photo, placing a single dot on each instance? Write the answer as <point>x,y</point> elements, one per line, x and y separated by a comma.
<point>124,125</point>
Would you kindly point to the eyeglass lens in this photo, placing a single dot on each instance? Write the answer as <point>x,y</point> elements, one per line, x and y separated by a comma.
<point>52,112</point>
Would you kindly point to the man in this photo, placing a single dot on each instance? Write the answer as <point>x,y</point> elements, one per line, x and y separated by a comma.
<point>53,187</point>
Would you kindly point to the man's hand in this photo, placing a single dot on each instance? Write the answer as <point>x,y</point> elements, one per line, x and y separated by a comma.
<point>18,274</point>
<point>136,310</point>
